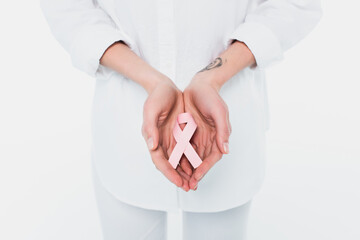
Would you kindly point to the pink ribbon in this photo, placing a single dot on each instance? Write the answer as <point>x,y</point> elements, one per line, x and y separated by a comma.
<point>182,138</point>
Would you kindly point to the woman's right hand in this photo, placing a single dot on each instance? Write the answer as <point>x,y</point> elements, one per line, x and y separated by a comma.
<point>161,108</point>
<point>160,111</point>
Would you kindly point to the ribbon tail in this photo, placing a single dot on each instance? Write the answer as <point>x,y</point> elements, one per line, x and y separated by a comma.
<point>175,155</point>
<point>192,156</point>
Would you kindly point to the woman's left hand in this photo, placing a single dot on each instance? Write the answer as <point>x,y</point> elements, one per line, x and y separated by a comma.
<point>210,112</point>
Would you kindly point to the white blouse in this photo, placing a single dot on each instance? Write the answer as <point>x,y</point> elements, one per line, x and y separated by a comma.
<point>178,38</point>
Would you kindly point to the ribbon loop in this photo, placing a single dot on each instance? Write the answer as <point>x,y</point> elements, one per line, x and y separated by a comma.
<point>182,138</point>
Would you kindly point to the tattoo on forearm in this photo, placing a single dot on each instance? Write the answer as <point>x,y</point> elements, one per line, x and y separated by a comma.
<point>214,64</point>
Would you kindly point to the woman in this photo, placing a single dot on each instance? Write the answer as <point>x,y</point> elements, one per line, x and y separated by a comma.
<point>153,60</point>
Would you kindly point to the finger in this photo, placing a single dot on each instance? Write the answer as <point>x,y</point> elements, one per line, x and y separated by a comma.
<point>222,129</point>
<point>149,128</point>
<point>183,173</point>
<point>186,166</point>
<point>203,168</point>
<point>228,122</point>
<point>197,145</point>
<point>208,146</point>
<point>186,178</point>
<point>163,165</point>
<point>201,151</point>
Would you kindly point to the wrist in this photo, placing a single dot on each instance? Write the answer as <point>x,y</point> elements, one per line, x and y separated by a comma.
<point>217,80</point>
<point>211,78</point>
<point>216,73</point>
<point>233,60</point>
<point>154,80</point>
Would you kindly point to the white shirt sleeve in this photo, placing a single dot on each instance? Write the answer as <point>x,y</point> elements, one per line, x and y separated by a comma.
<point>274,26</point>
<point>84,29</point>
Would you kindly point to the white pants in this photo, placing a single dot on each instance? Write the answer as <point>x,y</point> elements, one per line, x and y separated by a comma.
<point>121,221</point>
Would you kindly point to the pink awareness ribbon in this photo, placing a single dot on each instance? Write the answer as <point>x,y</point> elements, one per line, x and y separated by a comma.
<point>182,138</point>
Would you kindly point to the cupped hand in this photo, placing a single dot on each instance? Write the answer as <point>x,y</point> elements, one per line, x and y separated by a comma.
<point>210,112</point>
<point>161,108</point>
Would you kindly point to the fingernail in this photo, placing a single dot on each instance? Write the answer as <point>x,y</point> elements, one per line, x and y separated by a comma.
<point>195,187</point>
<point>150,143</point>
<point>226,147</point>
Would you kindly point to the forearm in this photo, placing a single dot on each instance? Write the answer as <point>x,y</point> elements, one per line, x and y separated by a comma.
<point>120,58</point>
<point>234,59</point>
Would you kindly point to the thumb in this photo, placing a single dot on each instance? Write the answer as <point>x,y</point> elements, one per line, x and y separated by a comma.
<point>151,136</point>
<point>222,130</point>
<point>150,130</point>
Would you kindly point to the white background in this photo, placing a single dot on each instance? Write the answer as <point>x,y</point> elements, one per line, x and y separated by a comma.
<point>311,189</point>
